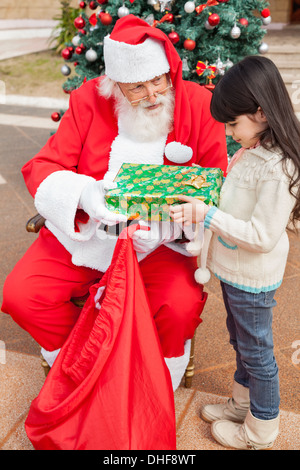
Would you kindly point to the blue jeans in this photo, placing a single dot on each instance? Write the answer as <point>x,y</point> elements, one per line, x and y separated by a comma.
<point>249,322</point>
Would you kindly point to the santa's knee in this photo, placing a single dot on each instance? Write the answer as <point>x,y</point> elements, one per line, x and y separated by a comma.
<point>182,320</point>
<point>15,298</point>
<point>185,308</point>
<point>23,301</point>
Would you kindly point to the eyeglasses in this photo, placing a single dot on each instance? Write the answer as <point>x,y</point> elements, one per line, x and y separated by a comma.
<point>145,98</point>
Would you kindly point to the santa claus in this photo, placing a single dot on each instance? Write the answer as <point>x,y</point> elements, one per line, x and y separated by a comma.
<point>141,111</point>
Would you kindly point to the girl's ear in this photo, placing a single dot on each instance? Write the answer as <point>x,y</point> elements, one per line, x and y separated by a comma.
<point>261,115</point>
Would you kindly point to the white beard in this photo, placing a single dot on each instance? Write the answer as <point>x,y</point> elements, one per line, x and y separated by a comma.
<point>145,125</point>
<point>137,122</point>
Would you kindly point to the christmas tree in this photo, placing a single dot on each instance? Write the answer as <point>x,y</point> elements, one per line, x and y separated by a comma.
<point>209,37</point>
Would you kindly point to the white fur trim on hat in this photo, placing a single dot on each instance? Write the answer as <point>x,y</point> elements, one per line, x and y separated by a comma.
<point>178,153</point>
<point>128,63</point>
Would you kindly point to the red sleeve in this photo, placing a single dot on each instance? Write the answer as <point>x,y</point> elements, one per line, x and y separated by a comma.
<point>212,142</point>
<point>81,217</point>
<point>61,152</point>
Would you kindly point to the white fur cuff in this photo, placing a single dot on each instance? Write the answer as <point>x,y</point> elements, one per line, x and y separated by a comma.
<point>57,200</point>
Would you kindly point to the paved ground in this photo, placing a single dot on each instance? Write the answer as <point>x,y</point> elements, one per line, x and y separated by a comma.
<point>23,130</point>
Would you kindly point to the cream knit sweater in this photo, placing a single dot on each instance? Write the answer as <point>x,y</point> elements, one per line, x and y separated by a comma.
<point>249,246</point>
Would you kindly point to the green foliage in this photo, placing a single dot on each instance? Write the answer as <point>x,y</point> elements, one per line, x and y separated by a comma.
<point>65,29</point>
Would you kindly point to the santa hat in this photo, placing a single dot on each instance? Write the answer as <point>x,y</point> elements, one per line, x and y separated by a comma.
<point>128,63</point>
<point>136,52</point>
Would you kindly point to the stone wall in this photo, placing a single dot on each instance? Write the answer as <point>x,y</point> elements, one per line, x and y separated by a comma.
<point>31,9</point>
<point>280,10</point>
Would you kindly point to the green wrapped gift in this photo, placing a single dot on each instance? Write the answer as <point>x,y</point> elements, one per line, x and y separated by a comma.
<point>146,191</point>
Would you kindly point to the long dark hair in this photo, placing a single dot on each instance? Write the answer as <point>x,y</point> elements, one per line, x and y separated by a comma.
<point>255,81</point>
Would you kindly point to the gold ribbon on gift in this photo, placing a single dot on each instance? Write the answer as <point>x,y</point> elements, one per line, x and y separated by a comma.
<point>197,181</point>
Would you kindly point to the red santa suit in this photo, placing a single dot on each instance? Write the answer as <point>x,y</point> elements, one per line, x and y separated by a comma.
<point>70,255</point>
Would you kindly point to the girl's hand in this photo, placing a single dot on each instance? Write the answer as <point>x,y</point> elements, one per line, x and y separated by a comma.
<point>192,212</point>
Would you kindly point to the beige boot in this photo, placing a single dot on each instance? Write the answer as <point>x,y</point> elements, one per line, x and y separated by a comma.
<point>235,409</point>
<point>255,434</point>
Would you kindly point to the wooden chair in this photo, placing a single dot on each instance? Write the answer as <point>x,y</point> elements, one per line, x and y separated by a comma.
<point>33,225</point>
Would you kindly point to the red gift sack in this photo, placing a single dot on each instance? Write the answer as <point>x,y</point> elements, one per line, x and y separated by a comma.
<point>109,387</point>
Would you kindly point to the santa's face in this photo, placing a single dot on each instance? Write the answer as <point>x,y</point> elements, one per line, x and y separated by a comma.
<point>145,109</point>
<point>146,94</point>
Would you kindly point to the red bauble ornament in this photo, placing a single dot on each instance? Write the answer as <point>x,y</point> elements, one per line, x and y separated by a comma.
<point>174,37</point>
<point>189,44</point>
<point>66,53</point>
<point>265,12</point>
<point>106,19</point>
<point>169,17</point>
<point>210,86</point>
<point>244,21</point>
<point>79,49</point>
<point>79,22</point>
<point>214,19</point>
<point>55,117</point>
<point>93,5</point>
<point>82,5</point>
<point>102,2</point>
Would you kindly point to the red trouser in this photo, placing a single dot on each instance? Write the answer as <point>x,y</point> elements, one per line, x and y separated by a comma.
<point>37,293</point>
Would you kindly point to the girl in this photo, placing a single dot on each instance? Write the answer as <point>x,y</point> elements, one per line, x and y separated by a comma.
<point>249,246</point>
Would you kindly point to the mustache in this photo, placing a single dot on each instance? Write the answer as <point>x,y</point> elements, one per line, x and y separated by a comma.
<point>160,99</point>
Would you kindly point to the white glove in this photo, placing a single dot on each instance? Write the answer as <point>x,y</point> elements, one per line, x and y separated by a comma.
<point>93,203</point>
<point>159,233</point>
